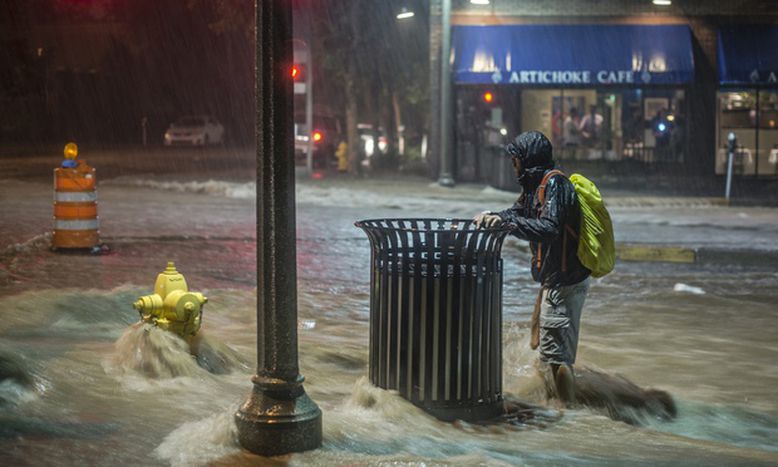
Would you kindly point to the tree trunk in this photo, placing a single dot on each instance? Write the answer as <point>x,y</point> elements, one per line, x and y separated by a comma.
<point>352,136</point>
<point>352,107</point>
<point>398,125</point>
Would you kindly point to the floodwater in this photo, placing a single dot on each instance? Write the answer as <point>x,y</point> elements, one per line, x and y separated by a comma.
<point>91,386</point>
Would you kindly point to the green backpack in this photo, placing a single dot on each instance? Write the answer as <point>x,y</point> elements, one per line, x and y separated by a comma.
<point>596,247</point>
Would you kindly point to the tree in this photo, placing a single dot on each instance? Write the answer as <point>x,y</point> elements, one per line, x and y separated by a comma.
<point>372,66</point>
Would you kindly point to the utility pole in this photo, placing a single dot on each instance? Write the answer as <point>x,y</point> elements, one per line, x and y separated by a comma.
<point>278,417</point>
<point>446,173</point>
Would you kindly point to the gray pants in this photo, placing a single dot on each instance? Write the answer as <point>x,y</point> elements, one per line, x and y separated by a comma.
<point>560,319</point>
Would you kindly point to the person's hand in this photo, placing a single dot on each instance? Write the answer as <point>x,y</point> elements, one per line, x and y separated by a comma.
<point>486,219</point>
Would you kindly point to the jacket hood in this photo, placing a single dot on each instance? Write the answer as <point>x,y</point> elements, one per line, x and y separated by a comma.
<point>534,150</point>
<point>536,155</point>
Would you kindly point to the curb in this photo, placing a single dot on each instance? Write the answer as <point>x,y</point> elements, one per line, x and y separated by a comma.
<point>631,252</point>
<point>655,253</point>
<point>658,201</point>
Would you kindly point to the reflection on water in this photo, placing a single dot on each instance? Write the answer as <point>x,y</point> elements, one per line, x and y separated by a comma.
<point>82,383</point>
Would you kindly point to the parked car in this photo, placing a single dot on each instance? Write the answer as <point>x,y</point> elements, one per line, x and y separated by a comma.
<point>200,130</point>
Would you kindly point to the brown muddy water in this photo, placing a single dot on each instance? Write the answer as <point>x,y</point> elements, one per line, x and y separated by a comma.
<point>88,386</point>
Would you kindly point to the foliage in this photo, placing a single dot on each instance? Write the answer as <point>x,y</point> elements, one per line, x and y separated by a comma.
<point>362,43</point>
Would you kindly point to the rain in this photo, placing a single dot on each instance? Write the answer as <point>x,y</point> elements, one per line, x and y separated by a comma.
<point>138,298</point>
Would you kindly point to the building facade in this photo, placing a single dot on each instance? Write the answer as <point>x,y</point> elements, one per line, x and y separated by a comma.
<point>622,83</point>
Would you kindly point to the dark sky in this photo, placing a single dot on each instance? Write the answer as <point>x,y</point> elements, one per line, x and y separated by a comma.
<point>116,61</point>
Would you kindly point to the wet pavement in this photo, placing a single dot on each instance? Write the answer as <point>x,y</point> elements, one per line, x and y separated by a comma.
<point>145,218</point>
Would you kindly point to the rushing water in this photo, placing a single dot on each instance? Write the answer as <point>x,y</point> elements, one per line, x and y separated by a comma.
<point>85,384</point>
<point>100,389</point>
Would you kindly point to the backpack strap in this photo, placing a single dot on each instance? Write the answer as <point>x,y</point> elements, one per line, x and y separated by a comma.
<point>541,197</point>
<point>541,191</point>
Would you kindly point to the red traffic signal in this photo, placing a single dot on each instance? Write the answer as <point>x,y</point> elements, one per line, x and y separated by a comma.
<point>297,72</point>
<point>488,97</point>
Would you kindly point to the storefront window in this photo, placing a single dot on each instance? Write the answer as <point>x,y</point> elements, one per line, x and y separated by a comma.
<point>737,114</point>
<point>646,125</point>
<point>609,125</point>
<point>541,110</point>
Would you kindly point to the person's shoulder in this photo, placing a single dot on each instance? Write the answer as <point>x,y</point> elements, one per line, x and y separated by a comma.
<point>557,176</point>
<point>558,180</point>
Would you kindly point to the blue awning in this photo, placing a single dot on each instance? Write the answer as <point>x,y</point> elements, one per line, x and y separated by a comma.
<point>583,55</point>
<point>748,54</point>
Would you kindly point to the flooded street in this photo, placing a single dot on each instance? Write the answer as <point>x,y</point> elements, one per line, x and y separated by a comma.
<point>88,386</point>
<point>153,154</point>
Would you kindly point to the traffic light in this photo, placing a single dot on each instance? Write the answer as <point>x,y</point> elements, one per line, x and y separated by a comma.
<point>488,97</point>
<point>298,72</point>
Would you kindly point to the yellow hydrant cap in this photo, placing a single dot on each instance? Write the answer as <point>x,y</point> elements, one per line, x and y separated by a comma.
<point>170,269</point>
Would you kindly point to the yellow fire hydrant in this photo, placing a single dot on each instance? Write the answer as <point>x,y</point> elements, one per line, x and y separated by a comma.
<point>342,154</point>
<point>172,306</point>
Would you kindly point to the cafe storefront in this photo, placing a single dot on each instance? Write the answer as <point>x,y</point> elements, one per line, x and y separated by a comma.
<point>606,93</point>
<point>747,101</point>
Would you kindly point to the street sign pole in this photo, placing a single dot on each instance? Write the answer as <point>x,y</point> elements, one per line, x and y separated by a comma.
<point>309,106</point>
<point>731,147</point>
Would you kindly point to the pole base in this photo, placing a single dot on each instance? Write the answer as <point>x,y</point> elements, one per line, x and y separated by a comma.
<point>279,420</point>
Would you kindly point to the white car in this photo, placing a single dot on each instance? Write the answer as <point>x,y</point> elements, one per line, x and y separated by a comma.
<point>194,131</point>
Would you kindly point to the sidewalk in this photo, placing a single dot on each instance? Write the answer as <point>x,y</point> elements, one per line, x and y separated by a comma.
<point>412,185</point>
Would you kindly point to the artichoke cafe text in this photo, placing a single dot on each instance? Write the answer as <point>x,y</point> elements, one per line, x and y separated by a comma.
<point>569,77</point>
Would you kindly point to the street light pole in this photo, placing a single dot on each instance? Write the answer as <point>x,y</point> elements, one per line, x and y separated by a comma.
<point>446,174</point>
<point>278,417</point>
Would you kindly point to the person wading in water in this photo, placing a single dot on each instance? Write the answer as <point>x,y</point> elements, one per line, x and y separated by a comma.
<point>548,215</point>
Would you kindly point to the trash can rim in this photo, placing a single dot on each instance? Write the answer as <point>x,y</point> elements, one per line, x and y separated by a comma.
<point>362,224</point>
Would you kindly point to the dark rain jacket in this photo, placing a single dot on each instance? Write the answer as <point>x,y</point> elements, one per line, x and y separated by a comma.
<point>545,226</point>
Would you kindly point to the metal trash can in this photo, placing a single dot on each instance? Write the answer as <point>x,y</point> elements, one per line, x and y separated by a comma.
<point>436,314</point>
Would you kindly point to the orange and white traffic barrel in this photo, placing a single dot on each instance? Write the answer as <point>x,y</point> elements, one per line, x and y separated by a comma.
<point>76,224</point>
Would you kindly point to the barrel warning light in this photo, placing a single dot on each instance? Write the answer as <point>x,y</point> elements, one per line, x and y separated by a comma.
<point>71,151</point>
